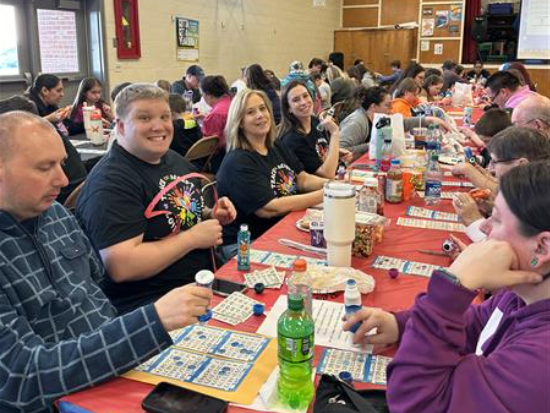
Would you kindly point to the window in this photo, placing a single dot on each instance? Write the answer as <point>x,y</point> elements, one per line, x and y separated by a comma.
<point>9,61</point>
<point>58,41</point>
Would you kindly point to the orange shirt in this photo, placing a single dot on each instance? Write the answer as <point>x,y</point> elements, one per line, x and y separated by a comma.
<point>400,105</point>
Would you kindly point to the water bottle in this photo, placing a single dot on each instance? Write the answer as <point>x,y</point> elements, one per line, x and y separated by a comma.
<point>434,178</point>
<point>300,284</point>
<point>295,342</point>
<point>352,301</point>
<point>385,163</point>
<point>368,196</point>
<point>205,278</point>
<point>243,243</point>
<point>330,113</point>
<point>467,116</point>
<point>432,142</point>
<point>188,98</point>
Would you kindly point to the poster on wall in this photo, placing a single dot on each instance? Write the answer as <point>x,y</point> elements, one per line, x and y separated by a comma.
<point>187,39</point>
<point>428,27</point>
<point>438,48</point>
<point>441,18</point>
<point>456,13</point>
<point>425,46</point>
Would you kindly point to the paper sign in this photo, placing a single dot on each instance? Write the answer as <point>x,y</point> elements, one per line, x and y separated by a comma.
<point>425,45</point>
<point>438,48</point>
<point>428,27</point>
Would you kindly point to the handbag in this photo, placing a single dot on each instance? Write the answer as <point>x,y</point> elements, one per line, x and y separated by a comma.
<point>336,396</point>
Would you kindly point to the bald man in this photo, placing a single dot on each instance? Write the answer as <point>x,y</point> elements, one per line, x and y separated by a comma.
<point>58,331</point>
<point>533,113</point>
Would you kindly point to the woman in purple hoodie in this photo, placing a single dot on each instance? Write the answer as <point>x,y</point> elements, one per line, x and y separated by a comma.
<point>456,357</point>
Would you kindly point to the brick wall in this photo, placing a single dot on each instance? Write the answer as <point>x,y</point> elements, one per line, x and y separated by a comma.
<point>58,42</point>
<point>233,33</point>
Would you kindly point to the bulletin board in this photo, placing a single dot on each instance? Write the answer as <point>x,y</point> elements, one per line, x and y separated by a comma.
<point>187,39</point>
<point>446,19</point>
<point>440,32</point>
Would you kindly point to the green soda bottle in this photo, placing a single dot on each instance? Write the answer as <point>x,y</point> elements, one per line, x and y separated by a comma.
<point>295,332</point>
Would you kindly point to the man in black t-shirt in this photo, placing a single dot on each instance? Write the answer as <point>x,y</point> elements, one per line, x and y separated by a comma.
<point>143,208</point>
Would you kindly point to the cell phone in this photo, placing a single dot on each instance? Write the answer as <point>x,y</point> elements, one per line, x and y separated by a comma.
<point>168,398</point>
<point>226,287</point>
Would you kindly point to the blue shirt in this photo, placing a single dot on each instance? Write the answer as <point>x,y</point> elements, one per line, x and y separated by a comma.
<point>58,331</point>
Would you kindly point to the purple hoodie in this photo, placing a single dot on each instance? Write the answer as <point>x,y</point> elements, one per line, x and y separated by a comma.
<point>436,368</point>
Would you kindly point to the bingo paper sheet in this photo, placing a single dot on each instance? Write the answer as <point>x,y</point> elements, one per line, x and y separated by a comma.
<point>327,316</point>
<point>234,309</point>
<point>444,195</point>
<point>213,361</point>
<point>439,225</point>
<point>281,260</point>
<point>269,277</point>
<point>414,211</point>
<point>406,267</point>
<point>367,368</point>
<point>462,184</point>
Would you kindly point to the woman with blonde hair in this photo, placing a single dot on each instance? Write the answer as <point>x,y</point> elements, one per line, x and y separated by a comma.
<point>264,180</point>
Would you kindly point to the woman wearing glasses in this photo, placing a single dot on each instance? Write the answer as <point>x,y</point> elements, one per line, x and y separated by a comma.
<point>456,357</point>
<point>510,148</point>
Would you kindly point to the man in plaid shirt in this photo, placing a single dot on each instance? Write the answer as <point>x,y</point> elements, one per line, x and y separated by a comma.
<point>58,331</point>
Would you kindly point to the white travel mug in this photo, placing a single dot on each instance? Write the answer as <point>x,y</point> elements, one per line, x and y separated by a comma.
<point>339,221</point>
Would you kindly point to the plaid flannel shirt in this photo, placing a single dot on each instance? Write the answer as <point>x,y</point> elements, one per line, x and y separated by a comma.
<point>58,331</point>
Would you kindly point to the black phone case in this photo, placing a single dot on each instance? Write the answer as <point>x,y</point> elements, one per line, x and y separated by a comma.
<point>208,404</point>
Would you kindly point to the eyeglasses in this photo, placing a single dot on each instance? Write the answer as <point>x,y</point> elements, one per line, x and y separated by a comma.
<point>495,95</point>
<point>523,124</point>
<point>493,162</point>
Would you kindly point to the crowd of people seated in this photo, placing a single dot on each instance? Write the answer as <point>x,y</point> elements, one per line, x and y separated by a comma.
<point>89,296</point>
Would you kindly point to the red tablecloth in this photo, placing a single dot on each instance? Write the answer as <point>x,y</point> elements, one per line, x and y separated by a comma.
<point>124,396</point>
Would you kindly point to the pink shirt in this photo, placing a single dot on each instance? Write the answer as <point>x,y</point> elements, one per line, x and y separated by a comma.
<point>214,122</point>
<point>522,93</point>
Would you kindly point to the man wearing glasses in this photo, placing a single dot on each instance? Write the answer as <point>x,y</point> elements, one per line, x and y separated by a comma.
<point>505,90</point>
<point>533,113</point>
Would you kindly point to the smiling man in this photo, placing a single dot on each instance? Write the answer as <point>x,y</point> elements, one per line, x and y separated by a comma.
<point>58,331</point>
<point>143,207</point>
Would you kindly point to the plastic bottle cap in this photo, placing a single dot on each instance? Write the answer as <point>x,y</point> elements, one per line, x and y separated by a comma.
<point>299,265</point>
<point>393,272</point>
<point>295,302</point>
<point>345,376</point>
<point>204,278</point>
<point>258,309</point>
<point>371,182</point>
<point>396,162</point>
<point>351,282</point>
<point>244,227</point>
<point>259,288</point>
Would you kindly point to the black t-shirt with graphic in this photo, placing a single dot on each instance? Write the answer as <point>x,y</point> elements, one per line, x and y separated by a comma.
<point>125,197</point>
<point>251,180</point>
<point>311,149</point>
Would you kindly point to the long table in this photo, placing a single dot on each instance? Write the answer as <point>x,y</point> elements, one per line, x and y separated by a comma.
<point>122,395</point>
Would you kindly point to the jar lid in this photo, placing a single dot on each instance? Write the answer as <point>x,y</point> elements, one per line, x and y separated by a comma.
<point>371,182</point>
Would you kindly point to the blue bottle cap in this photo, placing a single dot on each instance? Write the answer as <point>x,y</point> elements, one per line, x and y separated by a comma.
<point>259,288</point>
<point>258,309</point>
<point>206,316</point>
<point>345,376</point>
